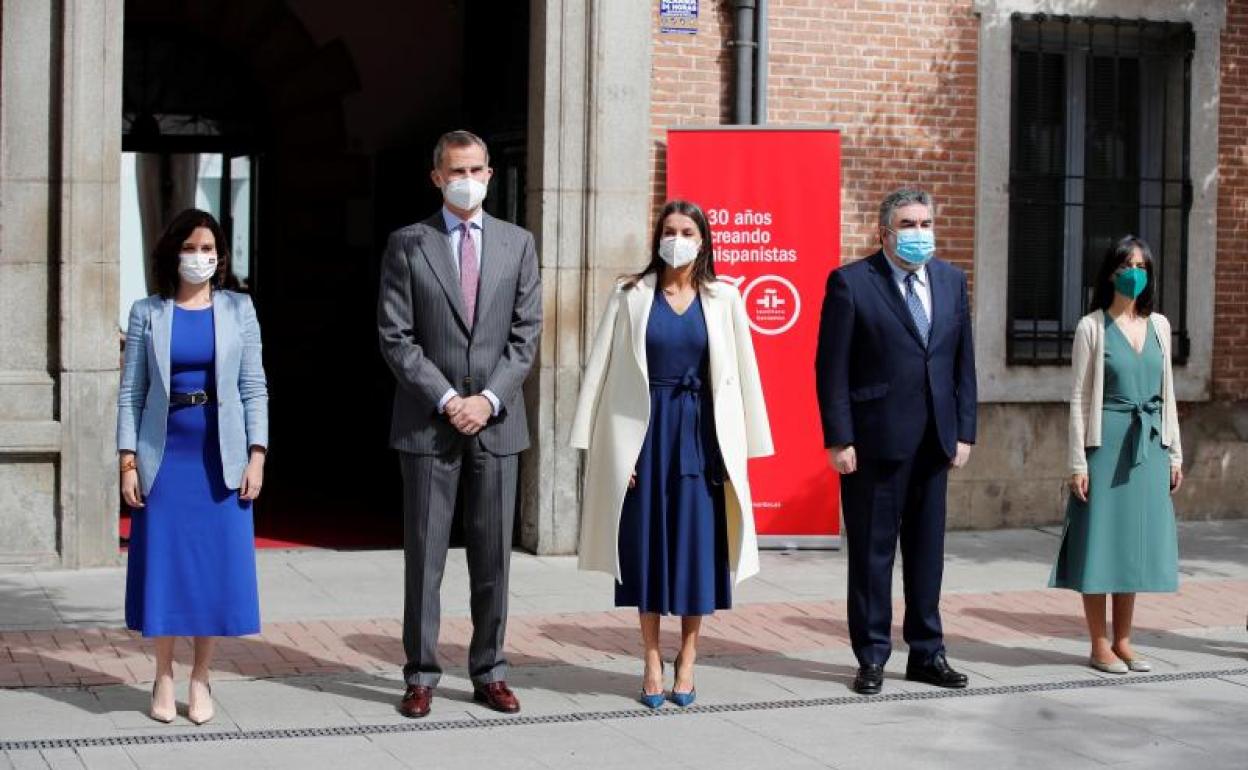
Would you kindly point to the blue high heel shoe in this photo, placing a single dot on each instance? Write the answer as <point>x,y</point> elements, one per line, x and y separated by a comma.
<point>652,701</point>
<point>683,699</point>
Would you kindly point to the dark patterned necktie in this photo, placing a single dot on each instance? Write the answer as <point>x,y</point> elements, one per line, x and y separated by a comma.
<point>916,308</point>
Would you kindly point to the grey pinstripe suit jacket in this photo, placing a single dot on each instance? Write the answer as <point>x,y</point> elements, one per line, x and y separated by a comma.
<point>426,340</point>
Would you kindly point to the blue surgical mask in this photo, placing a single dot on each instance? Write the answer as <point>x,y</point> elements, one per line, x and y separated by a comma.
<point>915,245</point>
<point>1131,282</point>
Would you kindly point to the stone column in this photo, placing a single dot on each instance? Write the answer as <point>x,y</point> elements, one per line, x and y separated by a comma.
<point>60,144</point>
<point>87,231</point>
<point>30,437</point>
<point>589,126</point>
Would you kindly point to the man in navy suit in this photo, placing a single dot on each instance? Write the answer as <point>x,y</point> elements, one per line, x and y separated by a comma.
<point>895,373</point>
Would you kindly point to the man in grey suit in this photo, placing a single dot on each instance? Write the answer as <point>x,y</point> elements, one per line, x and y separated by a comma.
<point>458,318</point>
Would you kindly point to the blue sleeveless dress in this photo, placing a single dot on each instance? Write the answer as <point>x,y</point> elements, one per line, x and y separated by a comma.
<point>673,537</point>
<point>191,569</point>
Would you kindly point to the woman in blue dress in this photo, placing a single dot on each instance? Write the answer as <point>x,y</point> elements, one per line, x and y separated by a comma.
<point>192,431</point>
<point>670,409</point>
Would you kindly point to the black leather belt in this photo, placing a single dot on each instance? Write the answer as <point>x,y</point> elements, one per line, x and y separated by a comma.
<point>194,398</point>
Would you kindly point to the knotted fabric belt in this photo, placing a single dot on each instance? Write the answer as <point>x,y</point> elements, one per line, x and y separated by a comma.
<point>1146,419</point>
<point>689,394</point>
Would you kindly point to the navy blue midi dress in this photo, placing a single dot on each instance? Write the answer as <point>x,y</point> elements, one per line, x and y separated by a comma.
<point>673,537</point>
<point>192,563</point>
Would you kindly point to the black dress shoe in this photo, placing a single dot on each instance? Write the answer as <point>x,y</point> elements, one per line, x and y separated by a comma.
<point>870,679</point>
<point>937,672</point>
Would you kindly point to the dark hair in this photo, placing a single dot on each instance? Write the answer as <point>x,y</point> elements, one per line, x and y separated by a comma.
<point>169,246</point>
<point>457,138</point>
<point>905,196</point>
<point>703,264</point>
<point>1115,257</point>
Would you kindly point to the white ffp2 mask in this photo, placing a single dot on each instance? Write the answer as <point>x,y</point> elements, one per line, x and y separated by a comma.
<point>197,267</point>
<point>465,193</point>
<point>677,251</point>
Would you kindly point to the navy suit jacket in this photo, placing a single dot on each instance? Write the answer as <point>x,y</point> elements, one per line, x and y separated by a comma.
<point>878,385</point>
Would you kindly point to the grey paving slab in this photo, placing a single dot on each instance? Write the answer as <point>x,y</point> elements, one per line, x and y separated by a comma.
<point>274,703</point>
<point>63,759</point>
<point>342,752</point>
<point>458,750</point>
<point>24,603</point>
<point>238,755</point>
<point>582,744</point>
<point>106,758</point>
<point>559,689</point>
<point>1241,680</point>
<point>32,714</point>
<point>25,760</point>
<point>893,736</point>
<point>711,739</point>
<point>86,597</point>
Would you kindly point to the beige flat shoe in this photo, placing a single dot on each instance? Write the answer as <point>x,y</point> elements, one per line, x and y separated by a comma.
<point>1138,665</point>
<point>164,715</point>
<point>199,710</point>
<point>1109,667</point>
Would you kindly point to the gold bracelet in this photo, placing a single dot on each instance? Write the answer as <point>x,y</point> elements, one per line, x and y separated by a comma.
<point>128,465</point>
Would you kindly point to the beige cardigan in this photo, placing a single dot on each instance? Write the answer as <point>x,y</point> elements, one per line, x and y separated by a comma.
<point>1088,391</point>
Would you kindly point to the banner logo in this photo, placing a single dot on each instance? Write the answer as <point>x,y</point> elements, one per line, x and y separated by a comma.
<point>772,304</point>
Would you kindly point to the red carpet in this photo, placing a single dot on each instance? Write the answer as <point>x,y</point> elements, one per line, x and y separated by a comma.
<point>343,531</point>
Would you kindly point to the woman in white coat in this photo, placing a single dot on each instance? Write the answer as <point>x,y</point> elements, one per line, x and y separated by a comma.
<point>670,409</point>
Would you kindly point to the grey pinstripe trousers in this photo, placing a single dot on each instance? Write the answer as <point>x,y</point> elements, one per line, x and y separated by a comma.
<point>430,485</point>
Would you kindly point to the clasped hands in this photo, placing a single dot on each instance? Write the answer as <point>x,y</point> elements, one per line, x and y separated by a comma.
<point>844,459</point>
<point>469,415</point>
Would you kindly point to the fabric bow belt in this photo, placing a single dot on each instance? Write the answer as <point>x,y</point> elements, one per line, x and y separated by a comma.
<point>689,393</point>
<point>1146,422</point>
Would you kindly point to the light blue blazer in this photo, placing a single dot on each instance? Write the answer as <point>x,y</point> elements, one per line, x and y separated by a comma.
<point>242,392</point>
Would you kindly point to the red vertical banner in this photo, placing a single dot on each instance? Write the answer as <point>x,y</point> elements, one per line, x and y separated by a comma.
<point>773,198</point>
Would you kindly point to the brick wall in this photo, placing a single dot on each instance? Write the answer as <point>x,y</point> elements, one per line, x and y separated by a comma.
<point>901,87</point>
<point>1230,337</point>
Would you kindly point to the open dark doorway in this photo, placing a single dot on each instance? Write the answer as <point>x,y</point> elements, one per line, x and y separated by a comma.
<point>307,127</point>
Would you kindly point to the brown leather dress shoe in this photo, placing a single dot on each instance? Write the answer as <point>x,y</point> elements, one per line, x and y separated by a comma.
<point>416,701</point>
<point>496,695</point>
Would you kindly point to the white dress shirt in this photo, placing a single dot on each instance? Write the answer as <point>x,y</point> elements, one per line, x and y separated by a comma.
<point>454,226</point>
<point>921,285</point>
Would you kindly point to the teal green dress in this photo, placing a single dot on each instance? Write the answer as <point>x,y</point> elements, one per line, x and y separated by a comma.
<point>1123,539</point>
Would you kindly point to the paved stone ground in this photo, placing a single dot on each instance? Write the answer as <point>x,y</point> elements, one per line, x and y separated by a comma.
<point>318,687</point>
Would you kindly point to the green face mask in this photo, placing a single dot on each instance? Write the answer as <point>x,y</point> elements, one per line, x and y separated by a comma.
<point>1131,282</point>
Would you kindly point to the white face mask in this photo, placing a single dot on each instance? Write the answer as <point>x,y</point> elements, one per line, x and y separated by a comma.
<point>677,251</point>
<point>197,267</point>
<point>464,193</point>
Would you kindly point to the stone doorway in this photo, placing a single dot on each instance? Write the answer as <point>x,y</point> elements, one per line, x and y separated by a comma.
<point>306,126</point>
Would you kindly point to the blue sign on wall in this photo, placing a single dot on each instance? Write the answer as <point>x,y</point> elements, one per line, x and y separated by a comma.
<point>678,17</point>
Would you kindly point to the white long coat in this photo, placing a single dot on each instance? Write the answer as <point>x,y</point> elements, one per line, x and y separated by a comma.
<point>613,412</point>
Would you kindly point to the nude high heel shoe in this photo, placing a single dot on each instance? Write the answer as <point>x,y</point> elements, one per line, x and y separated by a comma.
<point>161,714</point>
<point>199,710</point>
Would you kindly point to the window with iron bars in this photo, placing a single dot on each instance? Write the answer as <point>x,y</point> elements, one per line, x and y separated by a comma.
<point>1100,124</point>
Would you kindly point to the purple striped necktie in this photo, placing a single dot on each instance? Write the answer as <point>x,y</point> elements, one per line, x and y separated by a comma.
<point>469,272</point>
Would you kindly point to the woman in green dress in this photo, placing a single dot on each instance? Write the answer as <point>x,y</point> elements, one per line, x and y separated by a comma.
<point>1125,456</point>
